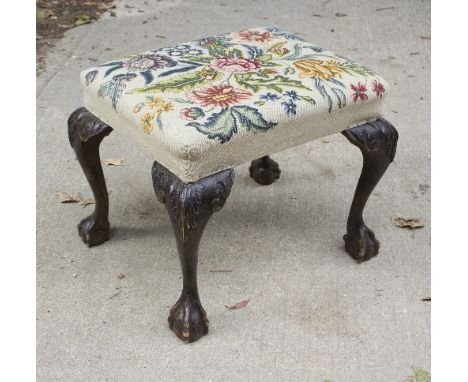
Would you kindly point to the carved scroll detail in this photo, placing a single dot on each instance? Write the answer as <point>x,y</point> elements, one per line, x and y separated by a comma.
<point>84,125</point>
<point>186,201</point>
<point>379,135</point>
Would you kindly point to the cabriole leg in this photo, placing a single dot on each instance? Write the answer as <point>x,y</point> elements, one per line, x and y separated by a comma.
<point>377,141</point>
<point>85,132</point>
<point>190,206</point>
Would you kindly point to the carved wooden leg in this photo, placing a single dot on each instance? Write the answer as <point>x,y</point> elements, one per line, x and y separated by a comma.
<point>190,206</point>
<point>264,170</point>
<point>85,132</point>
<point>377,141</point>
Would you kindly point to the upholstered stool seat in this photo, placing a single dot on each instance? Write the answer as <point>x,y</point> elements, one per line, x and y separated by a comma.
<point>211,104</point>
<point>198,109</point>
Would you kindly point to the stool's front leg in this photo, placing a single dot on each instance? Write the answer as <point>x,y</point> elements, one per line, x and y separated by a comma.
<point>264,170</point>
<point>85,132</point>
<point>377,141</point>
<point>190,206</point>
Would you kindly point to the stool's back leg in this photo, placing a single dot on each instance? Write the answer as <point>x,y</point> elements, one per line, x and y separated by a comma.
<point>190,206</point>
<point>264,170</point>
<point>85,132</point>
<point>377,141</point>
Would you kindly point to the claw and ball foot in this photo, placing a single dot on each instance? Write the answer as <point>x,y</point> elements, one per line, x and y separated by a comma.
<point>85,133</point>
<point>264,170</point>
<point>377,141</point>
<point>190,206</point>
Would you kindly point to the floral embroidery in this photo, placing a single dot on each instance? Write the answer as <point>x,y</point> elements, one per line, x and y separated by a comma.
<point>290,100</point>
<point>236,65</point>
<point>91,76</point>
<point>182,50</point>
<point>255,36</point>
<point>222,96</point>
<point>378,88</point>
<point>192,113</point>
<point>225,124</point>
<point>319,68</point>
<point>157,106</point>
<point>269,97</point>
<point>147,121</point>
<point>113,89</point>
<point>359,92</point>
<point>224,83</point>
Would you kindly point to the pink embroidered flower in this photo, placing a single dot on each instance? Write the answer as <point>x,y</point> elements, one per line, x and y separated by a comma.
<point>255,36</point>
<point>219,95</point>
<point>236,65</point>
<point>378,88</point>
<point>192,113</point>
<point>359,92</point>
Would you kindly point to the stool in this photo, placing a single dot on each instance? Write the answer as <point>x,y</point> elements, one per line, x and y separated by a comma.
<point>200,108</point>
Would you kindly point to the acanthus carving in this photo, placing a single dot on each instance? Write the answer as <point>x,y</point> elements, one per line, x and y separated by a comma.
<point>188,203</point>
<point>372,137</point>
<point>85,125</point>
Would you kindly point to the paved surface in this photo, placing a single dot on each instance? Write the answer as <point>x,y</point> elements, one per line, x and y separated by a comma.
<point>314,314</point>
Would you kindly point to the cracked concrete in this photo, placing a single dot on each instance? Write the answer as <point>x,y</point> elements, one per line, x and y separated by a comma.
<point>314,314</point>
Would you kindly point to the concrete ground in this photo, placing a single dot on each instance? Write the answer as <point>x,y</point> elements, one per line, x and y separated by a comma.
<point>314,314</point>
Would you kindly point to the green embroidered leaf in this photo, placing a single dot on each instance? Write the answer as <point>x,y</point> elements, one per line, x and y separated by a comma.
<point>321,88</point>
<point>308,99</point>
<point>340,96</point>
<point>183,82</point>
<point>275,48</point>
<point>224,125</point>
<point>198,59</point>
<point>277,84</point>
<point>217,50</point>
<point>259,103</point>
<point>221,125</point>
<point>234,52</point>
<point>354,68</point>
<point>251,118</point>
<point>265,57</point>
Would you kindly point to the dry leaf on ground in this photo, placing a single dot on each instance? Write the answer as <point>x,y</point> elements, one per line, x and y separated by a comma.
<point>339,14</point>
<point>420,375</point>
<point>239,305</point>
<point>65,197</point>
<point>44,13</point>
<point>425,37</point>
<point>411,223</point>
<point>121,276</point>
<point>82,19</point>
<point>114,162</point>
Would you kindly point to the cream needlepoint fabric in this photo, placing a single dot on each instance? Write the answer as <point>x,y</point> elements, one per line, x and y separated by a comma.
<point>214,103</point>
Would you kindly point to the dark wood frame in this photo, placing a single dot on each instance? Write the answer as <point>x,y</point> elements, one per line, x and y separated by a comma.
<point>190,205</point>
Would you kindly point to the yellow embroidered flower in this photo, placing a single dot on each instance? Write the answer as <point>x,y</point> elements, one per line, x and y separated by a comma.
<point>319,68</point>
<point>167,107</point>
<point>147,121</point>
<point>154,102</point>
<point>164,107</point>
